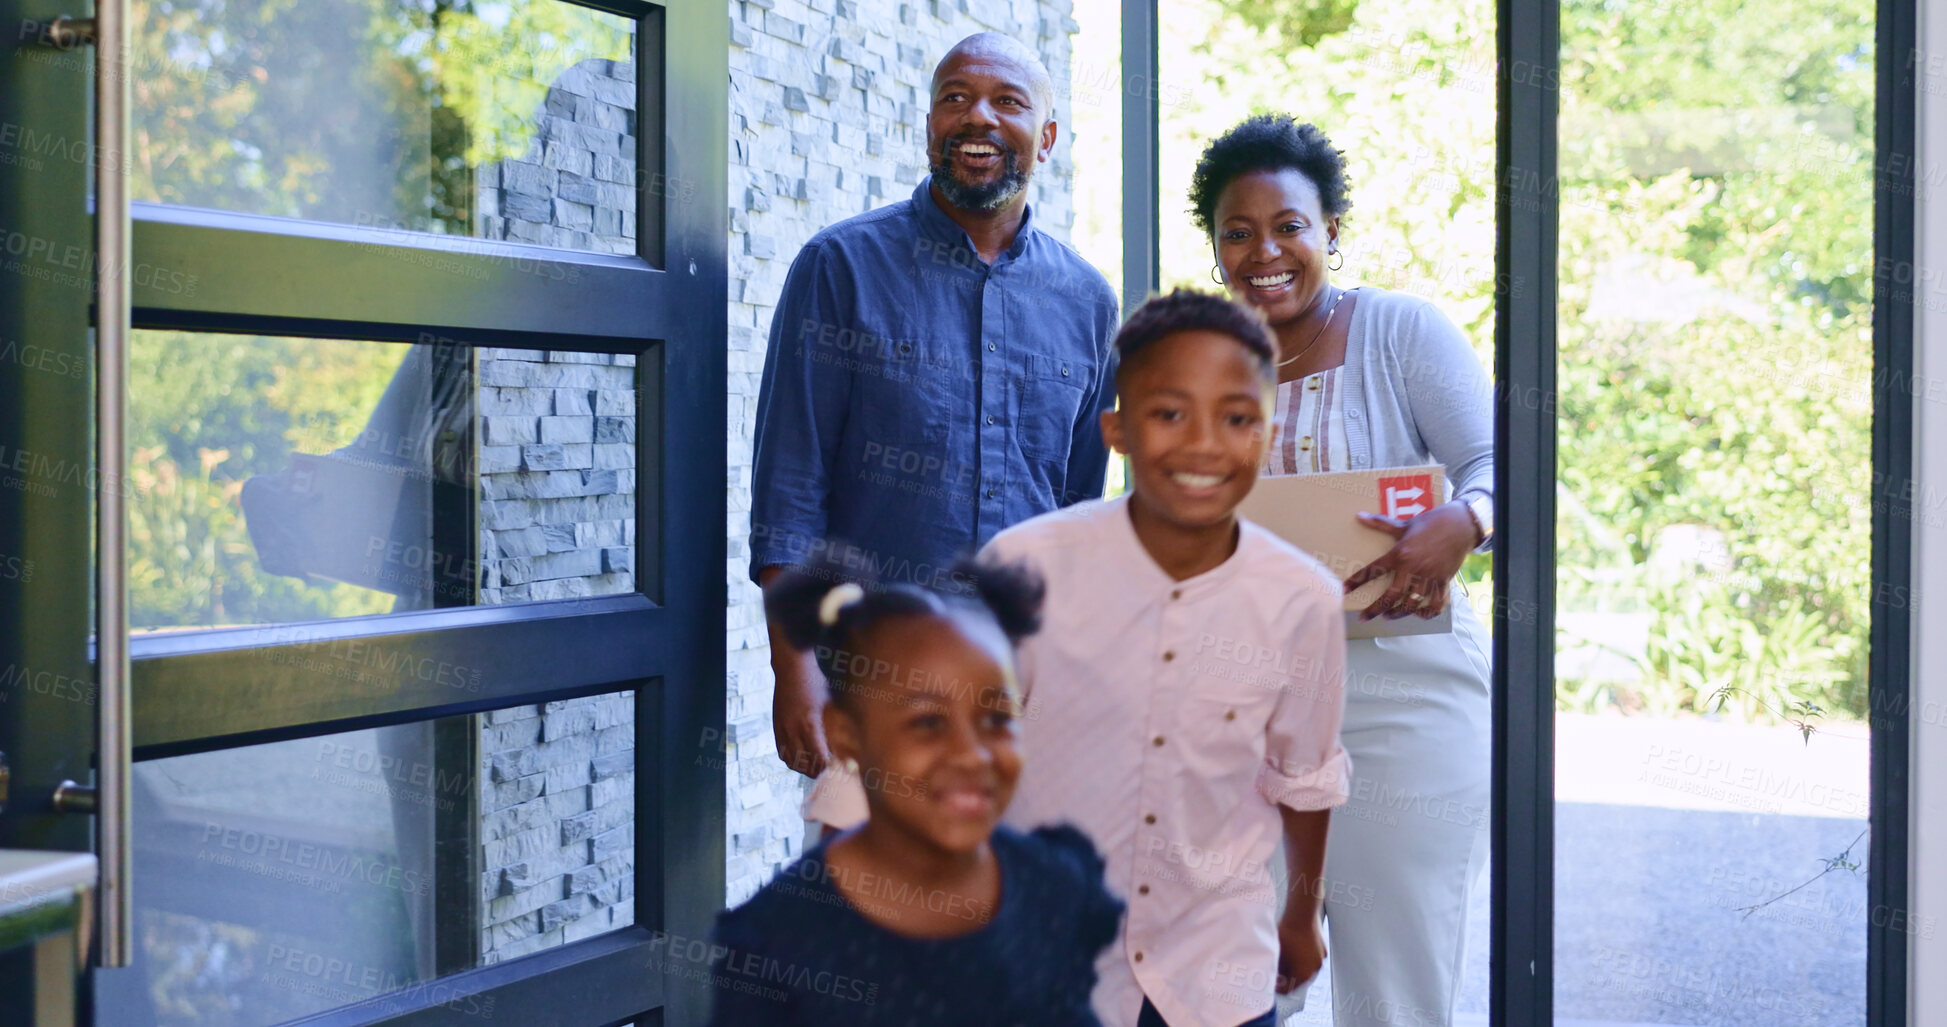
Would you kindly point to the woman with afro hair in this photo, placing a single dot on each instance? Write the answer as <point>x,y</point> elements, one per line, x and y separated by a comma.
<point>1372,379</point>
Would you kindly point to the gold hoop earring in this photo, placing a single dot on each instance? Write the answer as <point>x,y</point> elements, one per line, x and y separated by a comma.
<point>1341,264</point>
<point>1216,274</point>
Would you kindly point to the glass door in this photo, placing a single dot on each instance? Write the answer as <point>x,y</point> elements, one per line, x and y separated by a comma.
<point>1715,589</point>
<point>425,589</point>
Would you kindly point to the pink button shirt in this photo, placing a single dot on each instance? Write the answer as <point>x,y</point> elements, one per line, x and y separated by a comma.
<point>1168,719</point>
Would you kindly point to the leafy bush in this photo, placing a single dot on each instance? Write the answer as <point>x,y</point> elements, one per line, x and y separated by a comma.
<point>1714,312</point>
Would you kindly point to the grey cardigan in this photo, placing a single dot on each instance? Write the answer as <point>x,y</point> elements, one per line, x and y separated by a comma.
<point>1415,393</point>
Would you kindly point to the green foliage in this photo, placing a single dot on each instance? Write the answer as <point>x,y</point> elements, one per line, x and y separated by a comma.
<point>209,412</point>
<point>357,111</point>
<point>1715,298</point>
<point>361,111</point>
<point>1706,653</point>
<point>1306,21</point>
<point>1716,345</point>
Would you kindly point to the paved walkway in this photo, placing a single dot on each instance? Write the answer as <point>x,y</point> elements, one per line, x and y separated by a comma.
<point>1666,830</point>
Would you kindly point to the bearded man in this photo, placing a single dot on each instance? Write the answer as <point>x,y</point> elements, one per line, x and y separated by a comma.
<point>936,369</point>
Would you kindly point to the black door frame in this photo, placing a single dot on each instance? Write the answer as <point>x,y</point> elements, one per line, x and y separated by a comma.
<point>1890,666</point>
<point>209,690</point>
<point>1522,875</point>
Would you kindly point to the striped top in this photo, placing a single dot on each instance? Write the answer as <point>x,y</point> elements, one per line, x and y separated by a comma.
<point>1310,413</point>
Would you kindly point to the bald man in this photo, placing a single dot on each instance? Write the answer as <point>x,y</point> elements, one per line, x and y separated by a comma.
<point>935,372</point>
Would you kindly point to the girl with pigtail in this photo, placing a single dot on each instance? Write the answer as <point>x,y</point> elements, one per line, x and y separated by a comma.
<point>929,912</point>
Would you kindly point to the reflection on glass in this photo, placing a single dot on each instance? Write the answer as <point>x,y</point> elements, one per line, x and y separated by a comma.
<point>281,479</point>
<point>498,120</point>
<point>285,879</point>
<point>1715,414</point>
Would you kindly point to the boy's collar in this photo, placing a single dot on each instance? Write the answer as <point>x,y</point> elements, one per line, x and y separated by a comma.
<point>1153,572</point>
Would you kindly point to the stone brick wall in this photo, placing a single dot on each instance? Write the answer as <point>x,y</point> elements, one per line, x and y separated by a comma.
<point>827,106</point>
<point>574,187</point>
<point>556,472</point>
<point>557,823</point>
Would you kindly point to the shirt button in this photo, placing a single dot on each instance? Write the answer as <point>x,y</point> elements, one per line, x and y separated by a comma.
<point>1176,593</point>
<point>1149,818</point>
<point>1168,656</point>
<point>1353,413</point>
<point>1144,890</point>
<point>990,493</point>
<point>1313,385</point>
<point>990,418</point>
<point>990,347</point>
<point>1064,370</point>
<point>1159,741</point>
<point>1304,443</point>
<point>1230,714</point>
<point>1139,957</point>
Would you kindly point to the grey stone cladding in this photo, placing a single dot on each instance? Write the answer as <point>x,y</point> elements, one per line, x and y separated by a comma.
<point>828,101</point>
<point>557,520</point>
<point>574,188</point>
<point>557,474</point>
<point>557,467</point>
<point>557,823</point>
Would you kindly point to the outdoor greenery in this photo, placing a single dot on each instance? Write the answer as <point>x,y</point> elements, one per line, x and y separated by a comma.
<point>373,112</point>
<point>207,413</point>
<point>1714,324</point>
<point>368,112</point>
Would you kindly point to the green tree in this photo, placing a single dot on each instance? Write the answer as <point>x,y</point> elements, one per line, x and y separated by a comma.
<point>1715,295</point>
<point>358,111</point>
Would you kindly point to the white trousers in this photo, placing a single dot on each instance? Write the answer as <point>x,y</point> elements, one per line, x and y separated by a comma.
<point>1408,847</point>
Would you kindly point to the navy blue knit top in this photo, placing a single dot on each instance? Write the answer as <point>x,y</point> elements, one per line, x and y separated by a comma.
<point>798,955</point>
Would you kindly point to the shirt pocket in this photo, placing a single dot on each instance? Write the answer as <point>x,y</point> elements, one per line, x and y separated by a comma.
<point>905,398</point>
<point>1051,393</point>
<point>1228,708</point>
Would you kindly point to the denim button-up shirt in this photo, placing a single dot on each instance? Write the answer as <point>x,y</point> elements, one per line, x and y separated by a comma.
<point>917,400</point>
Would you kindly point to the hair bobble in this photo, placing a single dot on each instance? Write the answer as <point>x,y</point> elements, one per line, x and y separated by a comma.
<point>836,601</point>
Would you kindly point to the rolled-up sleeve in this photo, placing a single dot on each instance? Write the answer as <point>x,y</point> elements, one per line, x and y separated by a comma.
<point>1305,764</point>
<point>800,414</point>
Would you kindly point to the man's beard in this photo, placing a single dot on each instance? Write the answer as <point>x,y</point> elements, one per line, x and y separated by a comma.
<point>986,196</point>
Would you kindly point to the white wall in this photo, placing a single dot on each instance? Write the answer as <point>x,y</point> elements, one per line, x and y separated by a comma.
<point>1928,953</point>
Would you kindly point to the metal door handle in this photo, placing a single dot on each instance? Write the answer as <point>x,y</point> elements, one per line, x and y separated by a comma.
<point>108,801</point>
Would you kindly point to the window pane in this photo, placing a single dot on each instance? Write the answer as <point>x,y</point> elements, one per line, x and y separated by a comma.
<point>496,120</point>
<point>1716,189</point>
<point>283,479</point>
<point>1093,111</point>
<point>281,880</point>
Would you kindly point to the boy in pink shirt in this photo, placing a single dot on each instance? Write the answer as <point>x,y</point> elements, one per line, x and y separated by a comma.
<point>1184,697</point>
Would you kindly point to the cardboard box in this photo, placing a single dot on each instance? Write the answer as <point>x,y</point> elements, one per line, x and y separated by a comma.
<point>1318,513</point>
